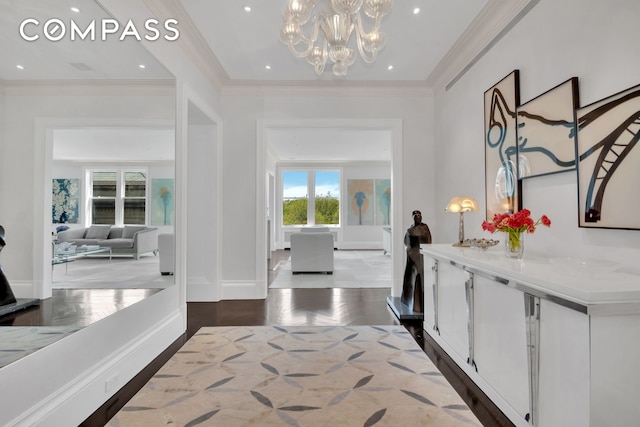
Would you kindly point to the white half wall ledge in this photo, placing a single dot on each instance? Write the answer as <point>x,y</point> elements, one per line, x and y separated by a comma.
<point>89,389</point>
<point>243,290</point>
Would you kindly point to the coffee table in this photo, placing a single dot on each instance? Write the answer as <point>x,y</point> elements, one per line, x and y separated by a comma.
<point>67,256</point>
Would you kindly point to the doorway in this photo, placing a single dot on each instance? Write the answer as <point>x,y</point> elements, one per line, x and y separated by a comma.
<point>394,129</point>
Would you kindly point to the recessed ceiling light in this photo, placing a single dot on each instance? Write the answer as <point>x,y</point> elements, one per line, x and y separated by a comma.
<point>75,9</point>
<point>142,66</point>
<point>390,67</point>
<point>268,67</point>
<point>247,8</point>
<point>19,67</point>
<point>416,10</point>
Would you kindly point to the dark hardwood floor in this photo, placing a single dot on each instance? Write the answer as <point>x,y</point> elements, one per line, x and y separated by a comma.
<point>288,307</point>
<point>76,307</point>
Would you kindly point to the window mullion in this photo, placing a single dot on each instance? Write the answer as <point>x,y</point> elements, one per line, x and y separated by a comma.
<point>120,199</point>
<point>311,202</point>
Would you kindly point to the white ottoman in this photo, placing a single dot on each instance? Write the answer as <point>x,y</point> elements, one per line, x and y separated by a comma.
<point>167,259</point>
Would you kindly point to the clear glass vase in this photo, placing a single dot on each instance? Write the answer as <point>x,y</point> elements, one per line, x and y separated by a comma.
<point>514,244</point>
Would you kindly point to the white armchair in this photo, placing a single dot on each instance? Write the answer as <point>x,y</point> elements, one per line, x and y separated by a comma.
<point>312,251</point>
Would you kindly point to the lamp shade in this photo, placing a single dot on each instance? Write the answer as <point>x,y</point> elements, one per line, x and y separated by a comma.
<point>462,204</point>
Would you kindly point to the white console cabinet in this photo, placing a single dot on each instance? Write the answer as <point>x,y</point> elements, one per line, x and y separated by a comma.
<point>552,341</point>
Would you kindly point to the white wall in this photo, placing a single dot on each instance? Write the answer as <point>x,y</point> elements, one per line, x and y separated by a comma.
<point>556,40</point>
<point>203,214</point>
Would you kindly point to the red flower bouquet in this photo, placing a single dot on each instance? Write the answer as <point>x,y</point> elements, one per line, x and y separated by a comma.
<point>514,225</point>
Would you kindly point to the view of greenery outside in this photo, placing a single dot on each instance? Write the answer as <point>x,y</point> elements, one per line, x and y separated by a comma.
<point>294,211</point>
<point>327,209</point>
<point>296,190</point>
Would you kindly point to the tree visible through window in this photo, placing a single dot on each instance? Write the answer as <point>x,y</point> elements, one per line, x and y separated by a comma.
<point>327,198</point>
<point>322,188</point>
<point>294,198</point>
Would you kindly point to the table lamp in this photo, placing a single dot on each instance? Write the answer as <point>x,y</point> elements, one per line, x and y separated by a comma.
<point>462,204</point>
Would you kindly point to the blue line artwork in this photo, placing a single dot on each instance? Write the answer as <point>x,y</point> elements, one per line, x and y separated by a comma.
<point>501,152</point>
<point>608,131</point>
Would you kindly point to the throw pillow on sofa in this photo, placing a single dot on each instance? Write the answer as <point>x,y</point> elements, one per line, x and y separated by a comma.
<point>98,232</point>
<point>130,230</point>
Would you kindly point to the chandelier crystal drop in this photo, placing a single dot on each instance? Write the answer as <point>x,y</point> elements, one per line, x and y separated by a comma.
<point>320,31</point>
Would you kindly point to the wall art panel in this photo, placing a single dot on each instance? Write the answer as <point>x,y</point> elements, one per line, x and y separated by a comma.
<point>162,201</point>
<point>501,179</point>
<point>360,193</point>
<point>383,201</point>
<point>547,131</point>
<point>608,162</point>
<point>65,201</point>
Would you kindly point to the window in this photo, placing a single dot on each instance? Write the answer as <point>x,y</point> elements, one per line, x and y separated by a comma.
<point>295,195</point>
<point>103,199</point>
<point>118,196</point>
<point>310,197</point>
<point>327,198</point>
<point>135,197</point>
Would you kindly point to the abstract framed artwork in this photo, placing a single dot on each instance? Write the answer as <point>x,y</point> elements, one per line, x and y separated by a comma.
<point>360,203</point>
<point>65,201</point>
<point>546,129</point>
<point>608,162</point>
<point>500,146</point>
<point>383,201</point>
<point>162,201</point>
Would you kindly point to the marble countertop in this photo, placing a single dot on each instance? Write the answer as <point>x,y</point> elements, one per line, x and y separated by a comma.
<point>591,282</point>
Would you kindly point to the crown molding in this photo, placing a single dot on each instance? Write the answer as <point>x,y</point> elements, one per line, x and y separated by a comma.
<point>327,88</point>
<point>191,40</point>
<point>497,17</point>
<point>331,163</point>
<point>86,87</point>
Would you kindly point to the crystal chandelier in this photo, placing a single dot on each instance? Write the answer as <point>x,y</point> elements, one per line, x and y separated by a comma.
<point>335,21</point>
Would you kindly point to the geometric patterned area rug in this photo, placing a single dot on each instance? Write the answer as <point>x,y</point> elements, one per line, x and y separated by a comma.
<point>297,376</point>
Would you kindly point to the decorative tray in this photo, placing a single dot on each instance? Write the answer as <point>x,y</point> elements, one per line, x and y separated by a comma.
<point>482,244</point>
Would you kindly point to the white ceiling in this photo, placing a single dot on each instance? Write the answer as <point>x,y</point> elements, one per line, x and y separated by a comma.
<point>65,59</point>
<point>243,43</point>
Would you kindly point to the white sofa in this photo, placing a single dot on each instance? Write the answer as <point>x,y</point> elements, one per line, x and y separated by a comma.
<point>132,240</point>
<point>312,250</point>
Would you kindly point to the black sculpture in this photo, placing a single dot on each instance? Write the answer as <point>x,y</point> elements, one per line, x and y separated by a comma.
<point>6,294</point>
<point>413,285</point>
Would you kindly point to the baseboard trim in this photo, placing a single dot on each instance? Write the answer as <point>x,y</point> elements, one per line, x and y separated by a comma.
<point>199,289</point>
<point>22,289</point>
<point>230,290</point>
